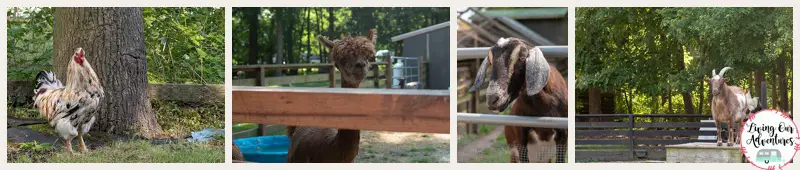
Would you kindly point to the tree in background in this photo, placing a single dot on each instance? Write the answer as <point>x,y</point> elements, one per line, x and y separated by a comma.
<point>184,45</point>
<point>114,42</point>
<point>286,35</point>
<point>646,56</point>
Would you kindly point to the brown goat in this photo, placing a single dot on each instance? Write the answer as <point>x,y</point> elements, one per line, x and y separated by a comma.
<point>520,72</point>
<point>351,55</point>
<point>729,104</point>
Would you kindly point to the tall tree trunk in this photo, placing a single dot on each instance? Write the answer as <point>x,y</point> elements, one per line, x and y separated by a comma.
<point>783,83</point>
<point>702,95</point>
<point>279,16</point>
<point>319,29</point>
<point>252,43</point>
<point>688,105</point>
<point>774,84</point>
<point>308,32</point>
<point>290,40</point>
<point>595,98</point>
<point>758,77</point>
<point>331,26</point>
<point>113,39</point>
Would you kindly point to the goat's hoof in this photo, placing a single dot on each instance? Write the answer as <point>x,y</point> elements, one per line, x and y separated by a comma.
<point>730,144</point>
<point>719,143</point>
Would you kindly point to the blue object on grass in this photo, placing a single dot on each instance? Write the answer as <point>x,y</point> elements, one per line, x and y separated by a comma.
<point>264,149</point>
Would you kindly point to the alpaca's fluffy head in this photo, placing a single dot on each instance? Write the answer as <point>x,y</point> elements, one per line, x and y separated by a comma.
<point>351,55</point>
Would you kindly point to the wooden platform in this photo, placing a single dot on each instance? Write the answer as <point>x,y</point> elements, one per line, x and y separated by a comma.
<point>704,152</point>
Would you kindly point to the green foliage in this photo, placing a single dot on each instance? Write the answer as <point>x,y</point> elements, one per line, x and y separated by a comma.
<point>301,25</point>
<point>645,53</point>
<point>30,41</point>
<point>184,45</point>
<point>35,146</point>
<point>179,119</point>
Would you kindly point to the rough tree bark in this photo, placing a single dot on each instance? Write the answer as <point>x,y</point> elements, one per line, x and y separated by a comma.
<point>113,39</point>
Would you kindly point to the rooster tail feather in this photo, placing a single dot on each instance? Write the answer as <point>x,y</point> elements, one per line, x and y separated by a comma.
<point>46,80</point>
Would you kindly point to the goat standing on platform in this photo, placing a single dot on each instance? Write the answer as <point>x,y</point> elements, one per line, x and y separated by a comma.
<point>520,72</point>
<point>729,104</point>
<point>351,55</point>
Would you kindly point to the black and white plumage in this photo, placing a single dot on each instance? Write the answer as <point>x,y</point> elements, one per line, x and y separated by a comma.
<point>70,109</point>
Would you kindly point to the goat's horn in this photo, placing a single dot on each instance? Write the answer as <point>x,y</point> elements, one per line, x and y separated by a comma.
<point>722,72</point>
<point>481,74</point>
<point>713,72</point>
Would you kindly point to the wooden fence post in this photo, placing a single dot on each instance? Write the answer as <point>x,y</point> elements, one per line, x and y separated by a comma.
<point>632,121</point>
<point>388,72</point>
<point>376,73</point>
<point>332,77</point>
<point>422,82</point>
<point>473,69</point>
<point>260,78</point>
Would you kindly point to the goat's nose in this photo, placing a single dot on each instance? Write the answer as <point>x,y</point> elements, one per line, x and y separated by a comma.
<point>360,65</point>
<point>491,100</point>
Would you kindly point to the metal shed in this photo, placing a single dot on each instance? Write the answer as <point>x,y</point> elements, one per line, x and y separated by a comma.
<point>433,44</point>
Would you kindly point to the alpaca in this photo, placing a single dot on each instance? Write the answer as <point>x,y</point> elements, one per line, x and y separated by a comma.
<point>351,55</point>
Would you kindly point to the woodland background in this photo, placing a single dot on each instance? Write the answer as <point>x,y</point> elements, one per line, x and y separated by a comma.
<point>654,60</point>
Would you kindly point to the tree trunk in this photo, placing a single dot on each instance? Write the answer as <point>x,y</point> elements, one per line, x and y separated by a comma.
<point>308,41</point>
<point>758,76</point>
<point>279,14</point>
<point>702,95</point>
<point>252,44</point>
<point>113,39</point>
<point>594,101</point>
<point>331,26</point>
<point>688,105</point>
<point>783,83</point>
<point>774,89</point>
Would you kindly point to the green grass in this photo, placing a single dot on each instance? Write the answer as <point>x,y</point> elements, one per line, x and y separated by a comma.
<point>177,120</point>
<point>137,151</point>
<point>498,153</point>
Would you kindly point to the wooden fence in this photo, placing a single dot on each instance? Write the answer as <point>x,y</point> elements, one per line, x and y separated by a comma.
<point>403,110</point>
<point>272,81</point>
<point>628,137</point>
<point>21,92</point>
<point>260,81</point>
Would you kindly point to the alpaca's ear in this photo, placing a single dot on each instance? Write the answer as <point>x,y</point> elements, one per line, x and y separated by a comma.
<point>537,72</point>
<point>372,35</point>
<point>325,42</point>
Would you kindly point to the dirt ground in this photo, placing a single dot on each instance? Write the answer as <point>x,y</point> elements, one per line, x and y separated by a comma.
<point>385,147</point>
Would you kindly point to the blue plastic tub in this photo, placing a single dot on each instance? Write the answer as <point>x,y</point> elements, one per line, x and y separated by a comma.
<point>264,149</point>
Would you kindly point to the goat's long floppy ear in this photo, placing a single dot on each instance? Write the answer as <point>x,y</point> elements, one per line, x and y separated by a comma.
<point>481,75</point>
<point>372,35</point>
<point>537,72</point>
<point>325,42</point>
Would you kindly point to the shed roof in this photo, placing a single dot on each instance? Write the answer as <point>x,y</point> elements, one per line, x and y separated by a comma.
<point>420,31</point>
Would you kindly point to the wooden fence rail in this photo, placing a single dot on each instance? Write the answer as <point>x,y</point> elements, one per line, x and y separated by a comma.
<point>260,68</point>
<point>406,110</point>
<point>621,138</point>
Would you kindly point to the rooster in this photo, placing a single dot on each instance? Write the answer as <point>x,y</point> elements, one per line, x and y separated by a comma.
<point>71,108</point>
